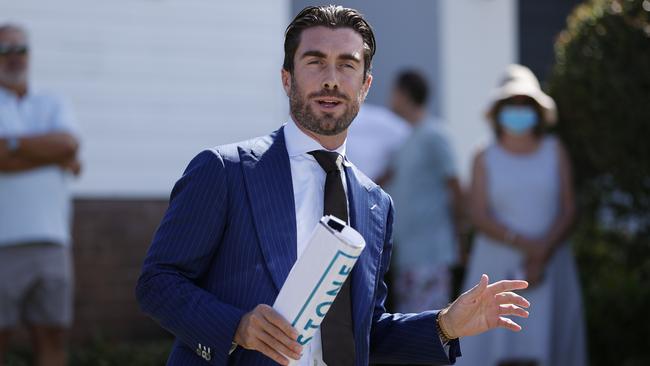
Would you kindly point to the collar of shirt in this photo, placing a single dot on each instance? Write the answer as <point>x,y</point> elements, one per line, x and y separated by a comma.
<point>299,143</point>
<point>8,94</point>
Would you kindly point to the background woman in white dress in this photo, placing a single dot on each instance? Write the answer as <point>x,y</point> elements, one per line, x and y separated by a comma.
<point>522,206</point>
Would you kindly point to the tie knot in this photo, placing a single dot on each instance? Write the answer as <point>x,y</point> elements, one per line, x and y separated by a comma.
<point>329,161</point>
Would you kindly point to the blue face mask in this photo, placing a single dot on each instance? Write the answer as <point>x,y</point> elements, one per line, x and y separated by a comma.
<point>517,119</point>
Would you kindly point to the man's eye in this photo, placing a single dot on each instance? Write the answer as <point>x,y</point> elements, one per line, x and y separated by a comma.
<point>313,62</point>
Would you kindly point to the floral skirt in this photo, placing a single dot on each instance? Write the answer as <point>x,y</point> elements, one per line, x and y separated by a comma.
<point>422,288</point>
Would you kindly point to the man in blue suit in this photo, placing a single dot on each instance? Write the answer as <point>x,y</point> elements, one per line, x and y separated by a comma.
<point>241,214</point>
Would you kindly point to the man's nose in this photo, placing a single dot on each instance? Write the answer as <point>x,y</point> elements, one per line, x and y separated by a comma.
<point>330,78</point>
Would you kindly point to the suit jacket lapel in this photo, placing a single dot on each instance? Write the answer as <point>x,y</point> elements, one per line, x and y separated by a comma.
<point>267,173</point>
<point>367,221</point>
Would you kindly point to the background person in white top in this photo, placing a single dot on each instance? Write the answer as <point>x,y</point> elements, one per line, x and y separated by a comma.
<point>37,154</point>
<point>522,205</point>
<point>374,137</point>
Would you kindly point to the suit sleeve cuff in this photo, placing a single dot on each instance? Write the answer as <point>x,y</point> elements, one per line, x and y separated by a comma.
<point>452,349</point>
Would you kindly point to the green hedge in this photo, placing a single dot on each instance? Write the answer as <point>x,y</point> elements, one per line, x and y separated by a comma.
<point>601,82</point>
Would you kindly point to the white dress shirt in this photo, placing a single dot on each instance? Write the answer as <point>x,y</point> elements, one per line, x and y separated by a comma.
<point>308,179</point>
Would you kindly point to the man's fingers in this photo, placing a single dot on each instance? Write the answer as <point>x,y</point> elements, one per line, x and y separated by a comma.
<point>290,344</point>
<point>271,341</point>
<point>280,329</point>
<point>507,285</point>
<point>258,331</point>
<point>477,290</point>
<point>279,321</point>
<point>511,298</point>
<point>508,324</point>
<point>508,310</point>
<point>271,353</point>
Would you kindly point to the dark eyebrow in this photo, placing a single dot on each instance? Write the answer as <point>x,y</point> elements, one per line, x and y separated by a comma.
<point>350,57</point>
<point>313,53</point>
<point>319,54</point>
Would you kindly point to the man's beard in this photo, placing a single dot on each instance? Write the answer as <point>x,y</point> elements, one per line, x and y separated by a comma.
<point>326,125</point>
<point>13,77</point>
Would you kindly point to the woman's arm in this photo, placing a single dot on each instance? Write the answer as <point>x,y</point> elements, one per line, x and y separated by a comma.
<point>537,260</point>
<point>480,213</point>
<point>566,216</point>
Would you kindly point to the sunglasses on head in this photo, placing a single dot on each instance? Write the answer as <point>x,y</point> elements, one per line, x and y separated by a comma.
<point>7,49</point>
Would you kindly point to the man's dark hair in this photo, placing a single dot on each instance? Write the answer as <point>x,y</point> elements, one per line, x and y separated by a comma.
<point>329,16</point>
<point>414,85</point>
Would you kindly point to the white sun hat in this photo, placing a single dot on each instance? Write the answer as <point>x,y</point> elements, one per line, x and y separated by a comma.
<point>518,80</point>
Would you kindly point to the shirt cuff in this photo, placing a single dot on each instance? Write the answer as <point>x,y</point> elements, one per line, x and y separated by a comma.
<point>445,345</point>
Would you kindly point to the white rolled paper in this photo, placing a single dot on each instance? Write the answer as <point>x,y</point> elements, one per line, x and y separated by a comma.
<point>317,276</point>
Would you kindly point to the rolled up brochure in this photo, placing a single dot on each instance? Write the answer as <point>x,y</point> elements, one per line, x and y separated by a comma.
<point>318,275</point>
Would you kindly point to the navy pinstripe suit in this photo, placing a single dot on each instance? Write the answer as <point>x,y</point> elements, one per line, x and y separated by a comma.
<point>228,241</point>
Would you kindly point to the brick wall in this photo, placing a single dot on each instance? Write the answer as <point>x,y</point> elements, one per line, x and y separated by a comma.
<point>111,238</point>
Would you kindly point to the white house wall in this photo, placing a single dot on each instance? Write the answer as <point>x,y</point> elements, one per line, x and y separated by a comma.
<point>478,40</point>
<point>154,82</point>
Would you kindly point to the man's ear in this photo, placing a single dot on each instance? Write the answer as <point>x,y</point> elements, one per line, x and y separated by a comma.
<point>286,81</point>
<point>366,87</point>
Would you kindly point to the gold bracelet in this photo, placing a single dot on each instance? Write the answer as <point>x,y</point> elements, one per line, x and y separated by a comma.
<point>442,332</point>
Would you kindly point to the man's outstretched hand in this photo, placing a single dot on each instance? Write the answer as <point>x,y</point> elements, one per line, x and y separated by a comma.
<point>485,307</point>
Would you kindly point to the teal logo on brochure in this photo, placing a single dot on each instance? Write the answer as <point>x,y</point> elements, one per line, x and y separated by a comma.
<point>333,287</point>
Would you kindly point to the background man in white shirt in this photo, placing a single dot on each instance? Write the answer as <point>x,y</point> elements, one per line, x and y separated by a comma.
<point>37,155</point>
<point>373,139</point>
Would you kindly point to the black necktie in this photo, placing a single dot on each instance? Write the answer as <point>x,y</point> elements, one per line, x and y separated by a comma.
<point>336,329</point>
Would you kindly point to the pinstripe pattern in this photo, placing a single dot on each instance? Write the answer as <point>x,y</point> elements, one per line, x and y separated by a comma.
<point>228,241</point>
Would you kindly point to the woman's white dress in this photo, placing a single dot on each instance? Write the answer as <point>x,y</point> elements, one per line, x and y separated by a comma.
<point>524,195</point>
